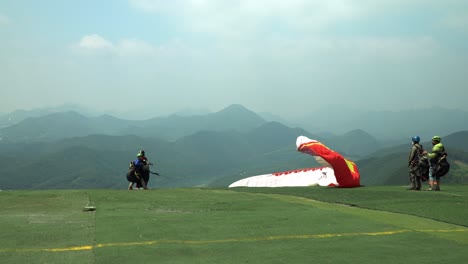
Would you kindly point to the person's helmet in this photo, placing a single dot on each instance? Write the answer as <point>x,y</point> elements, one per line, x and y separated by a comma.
<point>436,138</point>
<point>142,152</point>
<point>139,155</point>
<point>415,139</point>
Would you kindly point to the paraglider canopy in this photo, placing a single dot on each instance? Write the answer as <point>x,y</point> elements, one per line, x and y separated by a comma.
<point>336,171</point>
<point>346,172</point>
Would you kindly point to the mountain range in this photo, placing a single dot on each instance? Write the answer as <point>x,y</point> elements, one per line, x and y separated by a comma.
<point>392,126</point>
<point>59,125</point>
<point>69,150</point>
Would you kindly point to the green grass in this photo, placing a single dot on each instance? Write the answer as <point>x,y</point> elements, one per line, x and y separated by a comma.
<point>241,225</point>
<point>449,205</point>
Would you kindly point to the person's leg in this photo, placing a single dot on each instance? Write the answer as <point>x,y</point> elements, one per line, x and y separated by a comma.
<point>436,184</point>
<point>418,183</point>
<point>139,179</point>
<point>412,178</point>
<point>143,183</point>
<point>131,179</point>
<point>146,178</point>
<point>431,179</point>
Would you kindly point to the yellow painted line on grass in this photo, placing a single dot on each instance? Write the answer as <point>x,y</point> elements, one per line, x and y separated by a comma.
<point>68,249</point>
<point>204,242</point>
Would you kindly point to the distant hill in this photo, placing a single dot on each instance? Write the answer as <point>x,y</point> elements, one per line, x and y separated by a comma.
<point>100,161</point>
<point>9,119</point>
<point>355,144</point>
<point>95,161</point>
<point>61,125</point>
<point>458,140</point>
<point>269,117</point>
<point>386,125</point>
<point>234,117</point>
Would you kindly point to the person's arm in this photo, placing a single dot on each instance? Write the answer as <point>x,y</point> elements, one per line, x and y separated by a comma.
<point>436,150</point>
<point>412,155</point>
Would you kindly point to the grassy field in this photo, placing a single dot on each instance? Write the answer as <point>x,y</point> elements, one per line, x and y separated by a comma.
<point>384,224</point>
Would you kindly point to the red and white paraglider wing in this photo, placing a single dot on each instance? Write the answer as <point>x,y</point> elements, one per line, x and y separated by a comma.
<point>322,176</point>
<point>346,172</point>
<point>336,171</point>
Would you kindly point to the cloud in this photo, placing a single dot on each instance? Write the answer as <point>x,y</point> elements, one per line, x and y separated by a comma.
<point>316,49</point>
<point>456,22</point>
<point>281,29</point>
<point>311,26</point>
<point>131,47</point>
<point>241,17</point>
<point>391,49</point>
<point>4,20</point>
<point>152,6</point>
<point>95,44</point>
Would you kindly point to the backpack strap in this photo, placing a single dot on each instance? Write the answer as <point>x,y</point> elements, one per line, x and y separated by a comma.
<point>418,155</point>
<point>420,148</point>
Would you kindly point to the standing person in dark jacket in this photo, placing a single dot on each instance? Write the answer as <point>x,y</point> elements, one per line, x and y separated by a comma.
<point>140,170</point>
<point>413,164</point>
<point>145,172</point>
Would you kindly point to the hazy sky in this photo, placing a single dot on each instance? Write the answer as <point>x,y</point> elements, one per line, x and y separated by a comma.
<point>281,56</point>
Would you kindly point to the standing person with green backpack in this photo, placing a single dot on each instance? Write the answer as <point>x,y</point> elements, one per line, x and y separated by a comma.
<point>437,155</point>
